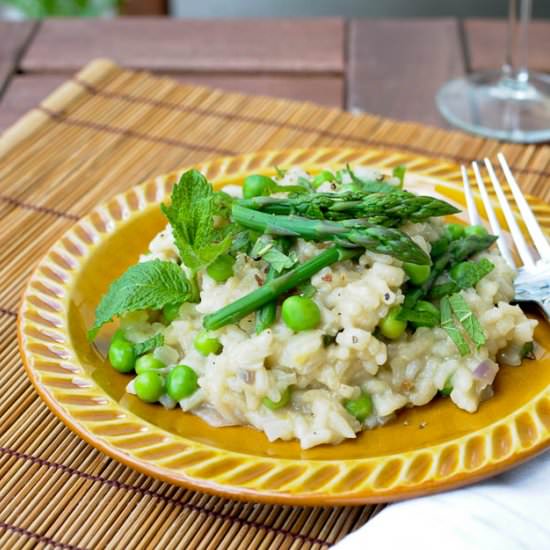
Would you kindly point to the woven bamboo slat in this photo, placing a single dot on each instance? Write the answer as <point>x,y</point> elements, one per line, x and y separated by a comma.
<point>99,133</point>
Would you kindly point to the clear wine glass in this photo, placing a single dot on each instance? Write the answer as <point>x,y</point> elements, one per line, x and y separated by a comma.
<point>512,103</point>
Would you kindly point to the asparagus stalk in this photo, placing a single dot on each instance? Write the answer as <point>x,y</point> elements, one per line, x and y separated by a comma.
<point>269,292</point>
<point>458,251</point>
<point>266,315</point>
<point>388,209</point>
<point>348,234</point>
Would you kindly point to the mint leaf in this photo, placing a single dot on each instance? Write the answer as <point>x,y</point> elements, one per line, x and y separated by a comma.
<point>280,261</point>
<point>448,324</point>
<point>464,275</point>
<point>421,317</point>
<point>141,348</point>
<point>444,289</point>
<point>307,289</point>
<point>148,285</point>
<point>470,273</point>
<point>262,245</point>
<point>269,250</point>
<point>191,215</point>
<point>368,186</point>
<point>467,319</point>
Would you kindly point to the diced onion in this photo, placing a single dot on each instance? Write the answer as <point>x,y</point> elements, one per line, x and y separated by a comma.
<point>486,371</point>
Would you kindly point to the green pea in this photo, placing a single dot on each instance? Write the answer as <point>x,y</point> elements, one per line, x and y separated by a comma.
<point>170,312</point>
<point>439,247</point>
<point>283,401</point>
<point>148,362</point>
<point>300,313</point>
<point>390,326</point>
<point>322,177</point>
<point>121,354</point>
<point>206,345</point>
<point>454,231</point>
<point>221,268</point>
<point>418,274</point>
<point>475,231</point>
<point>182,382</point>
<point>257,186</point>
<point>447,388</point>
<point>149,386</point>
<point>361,407</point>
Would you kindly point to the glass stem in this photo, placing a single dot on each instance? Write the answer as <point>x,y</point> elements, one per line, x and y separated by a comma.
<point>515,65</point>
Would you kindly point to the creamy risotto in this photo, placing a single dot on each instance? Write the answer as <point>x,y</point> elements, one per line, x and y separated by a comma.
<point>341,351</point>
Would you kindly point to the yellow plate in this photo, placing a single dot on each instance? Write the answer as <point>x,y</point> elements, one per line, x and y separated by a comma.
<point>423,450</point>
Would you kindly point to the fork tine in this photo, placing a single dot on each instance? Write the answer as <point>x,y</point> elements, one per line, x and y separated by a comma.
<point>473,214</point>
<point>493,221</point>
<point>517,236</point>
<point>540,241</point>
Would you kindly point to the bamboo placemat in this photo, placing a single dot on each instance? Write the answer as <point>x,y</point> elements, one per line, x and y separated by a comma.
<point>101,132</point>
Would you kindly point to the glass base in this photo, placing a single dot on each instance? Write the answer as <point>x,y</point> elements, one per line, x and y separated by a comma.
<point>495,106</point>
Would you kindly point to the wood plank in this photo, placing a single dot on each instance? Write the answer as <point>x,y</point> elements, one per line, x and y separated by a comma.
<point>325,90</point>
<point>23,93</point>
<point>13,36</point>
<point>486,39</point>
<point>161,44</point>
<point>397,66</point>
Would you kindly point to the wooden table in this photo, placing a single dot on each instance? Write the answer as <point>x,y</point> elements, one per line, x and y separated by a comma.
<point>388,67</point>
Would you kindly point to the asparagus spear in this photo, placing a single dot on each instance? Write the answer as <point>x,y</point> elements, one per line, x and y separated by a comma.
<point>265,316</point>
<point>388,209</point>
<point>272,289</point>
<point>348,234</point>
<point>458,251</point>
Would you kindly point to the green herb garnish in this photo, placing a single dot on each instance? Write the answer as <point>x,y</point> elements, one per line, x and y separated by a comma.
<point>368,186</point>
<point>148,345</point>
<point>447,389</point>
<point>528,351</point>
<point>449,325</point>
<point>464,275</point>
<point>191,215</point>
<point>468,320</point>
<point>271,251</point>
<point>424,314</point>
<point>147,285</point>
<point>468,274</point>
<point>399,173</point>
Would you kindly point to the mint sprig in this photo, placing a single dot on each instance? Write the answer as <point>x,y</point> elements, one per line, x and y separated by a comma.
<point>147,285</point>
<point>191,214</point>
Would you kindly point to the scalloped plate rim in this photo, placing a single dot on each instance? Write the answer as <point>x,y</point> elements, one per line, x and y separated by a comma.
<point>425,486</point>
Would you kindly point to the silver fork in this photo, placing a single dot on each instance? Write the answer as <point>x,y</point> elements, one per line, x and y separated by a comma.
<point>533,280</point>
